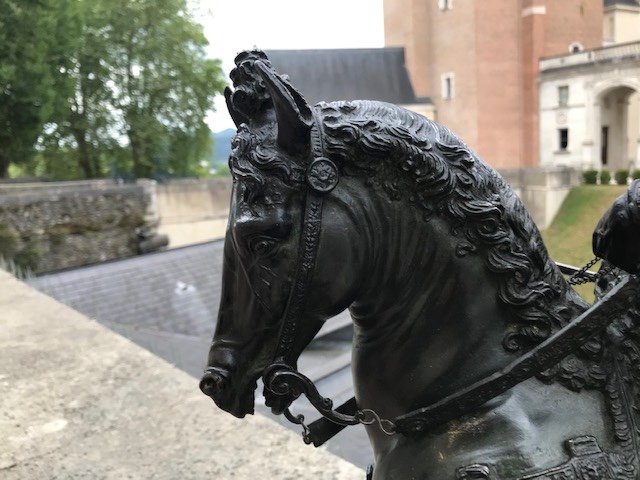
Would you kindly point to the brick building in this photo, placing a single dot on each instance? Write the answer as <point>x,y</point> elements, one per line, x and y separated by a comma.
<point>478,61</point>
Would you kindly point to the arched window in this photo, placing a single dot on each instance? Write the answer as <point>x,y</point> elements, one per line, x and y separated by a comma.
<point>576,47</point>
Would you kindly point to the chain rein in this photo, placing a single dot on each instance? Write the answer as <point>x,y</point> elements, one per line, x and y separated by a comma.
<point>366,416</point>
<point>582,276</point>
<point>285,381</point>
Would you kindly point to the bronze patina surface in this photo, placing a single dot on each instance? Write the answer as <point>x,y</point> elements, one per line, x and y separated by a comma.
<point>473,358</point>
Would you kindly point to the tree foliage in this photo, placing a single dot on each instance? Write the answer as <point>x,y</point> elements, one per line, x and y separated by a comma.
<point>129,86</point>
<point>26,87</point>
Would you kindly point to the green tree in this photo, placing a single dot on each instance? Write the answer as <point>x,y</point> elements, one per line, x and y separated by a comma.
<point>163,82</point>
<point>27,29</point>
<point>83,123</point>
<point>89,78</point>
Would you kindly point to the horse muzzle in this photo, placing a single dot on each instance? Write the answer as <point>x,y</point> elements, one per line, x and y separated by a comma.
<point>216,383</point>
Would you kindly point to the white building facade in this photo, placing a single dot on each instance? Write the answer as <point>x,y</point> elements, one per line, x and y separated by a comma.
<point>590,109</point>
<point>590,100</point>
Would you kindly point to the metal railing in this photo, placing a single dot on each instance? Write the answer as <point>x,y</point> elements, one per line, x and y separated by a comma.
<point>599,55</point>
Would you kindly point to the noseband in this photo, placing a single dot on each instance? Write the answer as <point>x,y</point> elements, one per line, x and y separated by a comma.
<point>283,380</point>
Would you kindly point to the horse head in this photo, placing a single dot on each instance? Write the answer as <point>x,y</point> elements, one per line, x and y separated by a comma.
<point>419,237</point>
<point>276,160</point>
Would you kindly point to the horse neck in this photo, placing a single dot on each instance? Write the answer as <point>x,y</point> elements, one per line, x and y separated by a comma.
<point>428,322</point>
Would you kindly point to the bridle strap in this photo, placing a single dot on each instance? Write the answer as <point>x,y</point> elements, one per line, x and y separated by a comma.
<point>307,253</point>
<point>320,177</point>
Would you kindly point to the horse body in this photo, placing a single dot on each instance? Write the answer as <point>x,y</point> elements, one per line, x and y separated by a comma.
<point>442,268</point>
<point>521,432</point>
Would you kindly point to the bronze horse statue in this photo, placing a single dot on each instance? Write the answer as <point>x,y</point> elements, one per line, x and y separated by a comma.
<point>472,355</point>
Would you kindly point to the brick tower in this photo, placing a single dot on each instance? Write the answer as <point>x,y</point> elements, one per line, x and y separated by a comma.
<point>478,60</point>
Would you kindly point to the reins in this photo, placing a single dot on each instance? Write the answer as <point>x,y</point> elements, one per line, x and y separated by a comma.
<point>583,275</point>
<point>282,379</point>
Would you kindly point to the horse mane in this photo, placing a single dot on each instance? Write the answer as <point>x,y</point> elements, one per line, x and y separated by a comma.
<point>421,162</point>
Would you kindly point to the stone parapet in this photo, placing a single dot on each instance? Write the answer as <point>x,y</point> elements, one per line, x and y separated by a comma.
<point>50,226</point>
<point>188,200</point>
<point>193,210</point>
<point>79,401</point>
<point>605,55</point>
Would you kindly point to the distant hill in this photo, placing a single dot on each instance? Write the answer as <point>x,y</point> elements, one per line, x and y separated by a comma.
<point>221,147</point>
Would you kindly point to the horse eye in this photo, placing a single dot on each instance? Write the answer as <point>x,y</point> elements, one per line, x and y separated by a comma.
<point>261,245</point>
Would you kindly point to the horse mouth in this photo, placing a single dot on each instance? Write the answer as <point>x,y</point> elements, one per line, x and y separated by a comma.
<point>237,403</point>
<point>244,406</point>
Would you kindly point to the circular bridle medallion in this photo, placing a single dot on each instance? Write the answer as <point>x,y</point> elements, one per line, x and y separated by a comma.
<point>322,175</point>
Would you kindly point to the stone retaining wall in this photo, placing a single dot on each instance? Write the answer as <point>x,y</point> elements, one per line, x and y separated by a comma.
<point>193,210</point>
<point>542,189</point>
<point>185,200</point>
<point>49,226</point>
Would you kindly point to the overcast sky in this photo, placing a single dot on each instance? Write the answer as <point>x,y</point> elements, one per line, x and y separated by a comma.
<point>235,25</point>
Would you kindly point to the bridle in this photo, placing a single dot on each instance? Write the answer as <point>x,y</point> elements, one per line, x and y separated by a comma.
<point>282,379</point>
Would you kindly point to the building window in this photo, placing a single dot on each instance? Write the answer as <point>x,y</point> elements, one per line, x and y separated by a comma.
<point>447,86</point>
<point>612,28</point>
<point>445,4</point>
<point>563,139</point>
<point>563,95</point>
<point>576,47</point>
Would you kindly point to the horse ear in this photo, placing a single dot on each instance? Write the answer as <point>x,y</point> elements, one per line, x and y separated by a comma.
<point>237,117</point>
<point>292,112</point>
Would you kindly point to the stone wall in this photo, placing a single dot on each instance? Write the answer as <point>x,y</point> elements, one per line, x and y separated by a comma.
<point>50,226</point>
<point>193,210</point>
<point>187,199</point>
<point>53,225</point>
<point>542,189</point>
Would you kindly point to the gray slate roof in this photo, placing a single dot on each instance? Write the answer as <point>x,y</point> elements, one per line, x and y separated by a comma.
<point>347,74</point>
<point>634,3</point>
<point>176,291</point>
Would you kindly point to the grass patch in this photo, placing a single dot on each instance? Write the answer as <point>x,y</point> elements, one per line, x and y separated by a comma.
<point>568,239</point>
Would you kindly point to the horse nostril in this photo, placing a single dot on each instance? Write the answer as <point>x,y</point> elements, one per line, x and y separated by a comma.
<point>213,383</point>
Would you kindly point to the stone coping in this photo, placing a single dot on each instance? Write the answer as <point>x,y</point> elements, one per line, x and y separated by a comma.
<point>26,197</point>
<point>79,401</point>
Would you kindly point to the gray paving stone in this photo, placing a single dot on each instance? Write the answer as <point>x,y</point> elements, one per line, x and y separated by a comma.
<point>81,402</point>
